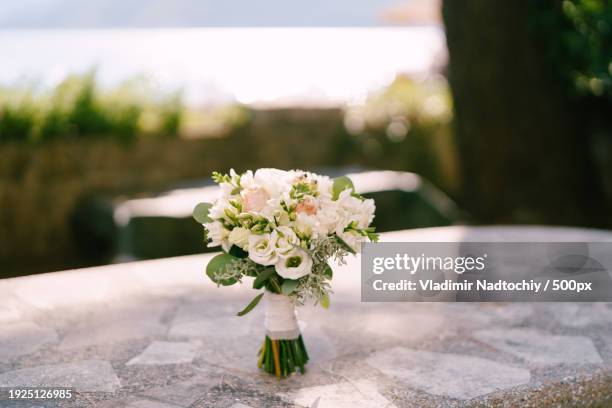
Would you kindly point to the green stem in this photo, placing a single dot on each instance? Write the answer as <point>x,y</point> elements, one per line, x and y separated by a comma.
<point>292,356</point>
<point>303,348</point>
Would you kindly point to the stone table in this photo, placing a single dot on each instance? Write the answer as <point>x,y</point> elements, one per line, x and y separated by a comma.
<point>159,334</point>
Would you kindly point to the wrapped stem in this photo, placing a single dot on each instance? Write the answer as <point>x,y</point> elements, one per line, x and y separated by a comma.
<point>283,351</point>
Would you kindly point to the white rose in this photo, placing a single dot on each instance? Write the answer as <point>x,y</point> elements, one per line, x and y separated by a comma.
<point>240,237</point>
<point>216,232</point>
<point>284,240</point>
<point>294,265</point>
<point>261,249</point>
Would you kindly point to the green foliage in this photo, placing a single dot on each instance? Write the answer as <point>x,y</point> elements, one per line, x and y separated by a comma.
<point>407,126</point>
<point>288,286</point>
<point>16,123</point>
<point>579,35</point>
<point>303,189</point>
<point>78,108</point>
<point>328,272</point>
<point>217,267</point>
<point>325,302</point>
<point>237,252</point>
<point>200,213</point>
<point>341,184</point>
<point>251,305</point>
<point>262,279</point>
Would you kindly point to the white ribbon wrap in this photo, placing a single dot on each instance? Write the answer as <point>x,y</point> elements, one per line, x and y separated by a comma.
<point>280,321</point>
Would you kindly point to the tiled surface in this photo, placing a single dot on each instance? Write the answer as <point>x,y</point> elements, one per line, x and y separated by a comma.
<point>159,334</point>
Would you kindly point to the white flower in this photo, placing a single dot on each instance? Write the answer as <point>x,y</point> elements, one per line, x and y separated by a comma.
<point>246,180</point>
<point>284,240</point>
<point>294,265</point>
<point>261,249</point>
<point>227,189</point>
<point>217,211</point>
<point>354,209</point>
<point>306,225</point>
<point>274,181</point>
<point>325,185</point>
<point>216,232</point>
<point>366,213</point>
<point>240,237</point>
<point>328,215</point>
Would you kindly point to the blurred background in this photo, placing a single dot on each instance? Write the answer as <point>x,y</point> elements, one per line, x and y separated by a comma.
<point>114,113</point>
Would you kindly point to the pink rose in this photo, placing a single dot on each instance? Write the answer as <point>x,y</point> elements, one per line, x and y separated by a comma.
<point>254,199</point>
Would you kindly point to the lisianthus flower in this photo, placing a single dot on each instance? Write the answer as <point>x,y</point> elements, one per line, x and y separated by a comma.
<point>261,249</point>
<point>294,265</point>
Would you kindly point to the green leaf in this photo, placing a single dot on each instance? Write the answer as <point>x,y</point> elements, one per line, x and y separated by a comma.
<point>288,286</point>
<point>345,246</point>
<point>251,305</point>
<point>200,213</point>
<point>237,252</point>
<point>341,184</point>
<point>328,272</point>
<point>325,302</point>
<point>216,265</point>
<point>261,279</point>
<point>273,285</point>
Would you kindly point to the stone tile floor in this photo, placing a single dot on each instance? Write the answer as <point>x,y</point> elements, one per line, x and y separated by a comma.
<point>158,334</point>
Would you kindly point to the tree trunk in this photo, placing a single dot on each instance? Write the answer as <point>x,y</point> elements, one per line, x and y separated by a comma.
<point>523,156</point>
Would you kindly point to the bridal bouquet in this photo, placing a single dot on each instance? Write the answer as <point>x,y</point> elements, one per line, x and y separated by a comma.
<point>281,228</point>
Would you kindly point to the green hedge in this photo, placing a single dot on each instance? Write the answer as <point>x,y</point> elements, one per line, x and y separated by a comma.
<point>78,108</point>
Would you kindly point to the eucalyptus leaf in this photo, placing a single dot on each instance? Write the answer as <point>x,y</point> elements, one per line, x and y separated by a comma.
<point>200,213</point>
<point>251,305</point>
<point>288,286</point>
<point>345,246</point>
<point>262,278</point>
<point>216,265</point>
<point>341,184</point>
